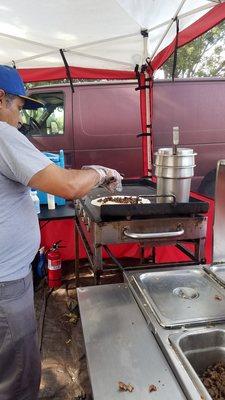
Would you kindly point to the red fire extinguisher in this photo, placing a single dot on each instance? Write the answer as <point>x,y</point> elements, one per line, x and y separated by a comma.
<point>54,266</point>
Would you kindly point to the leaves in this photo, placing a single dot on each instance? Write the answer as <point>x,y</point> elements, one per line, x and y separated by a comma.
<point>203,57</point>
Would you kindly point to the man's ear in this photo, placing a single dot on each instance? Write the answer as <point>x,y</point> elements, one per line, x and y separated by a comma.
<point>2,95</point>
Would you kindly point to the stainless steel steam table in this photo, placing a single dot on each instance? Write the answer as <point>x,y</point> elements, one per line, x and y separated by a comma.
<point>162,327</point>
<point>170,344</point>
<point>120,347</point>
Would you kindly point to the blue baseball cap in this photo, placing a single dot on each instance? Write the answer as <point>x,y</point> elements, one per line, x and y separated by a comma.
<point>11,82</point>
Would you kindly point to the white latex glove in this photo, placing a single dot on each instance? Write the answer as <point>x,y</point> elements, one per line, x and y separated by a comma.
<point>107,177</point>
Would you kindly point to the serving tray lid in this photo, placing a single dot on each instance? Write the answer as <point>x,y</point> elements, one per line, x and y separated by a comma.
<point>179,297</point>
<point>217,271</point>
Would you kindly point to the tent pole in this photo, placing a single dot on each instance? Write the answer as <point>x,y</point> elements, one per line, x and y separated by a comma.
<point>101,58</point>
<point>143,123</point>
<point>145,109</point>
<point>148,126</point>
<point>181,16</point>
<point>148,142</point>
<point>145,87</point>
<point>168,28</point>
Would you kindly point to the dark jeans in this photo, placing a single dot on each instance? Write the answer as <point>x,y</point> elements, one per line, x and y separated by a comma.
<point>20,364</point>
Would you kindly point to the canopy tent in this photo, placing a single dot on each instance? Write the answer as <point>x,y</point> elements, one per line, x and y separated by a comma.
<point>98,34</point>
<point>101,39</point>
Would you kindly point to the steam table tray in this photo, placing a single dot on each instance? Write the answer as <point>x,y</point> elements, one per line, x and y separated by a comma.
<point>177,298</point>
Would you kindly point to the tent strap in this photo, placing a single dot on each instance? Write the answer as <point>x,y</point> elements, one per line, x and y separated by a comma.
<point>67,69</point>
<point>136,70</point>
<point>144,134</point>
<point>142,87</point>
<point>175,50</point>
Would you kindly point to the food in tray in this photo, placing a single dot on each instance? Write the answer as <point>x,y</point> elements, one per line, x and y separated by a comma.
<point>110,200</point>
<point>217,297</point>
<point>123,387</point>
<point>119,200</point>
<point>152,388</point>
<point>213,379</point>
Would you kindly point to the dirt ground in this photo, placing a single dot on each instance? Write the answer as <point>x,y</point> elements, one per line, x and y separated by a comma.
<point>64,367</point>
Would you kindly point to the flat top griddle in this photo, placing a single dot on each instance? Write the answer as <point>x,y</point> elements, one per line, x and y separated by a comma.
<point>139,187</point>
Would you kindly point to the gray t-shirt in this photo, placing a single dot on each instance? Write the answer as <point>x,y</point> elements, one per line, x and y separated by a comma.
<point>19,228</point>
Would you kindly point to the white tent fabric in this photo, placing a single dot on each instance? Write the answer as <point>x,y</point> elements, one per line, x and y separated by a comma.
<point>94,33</point>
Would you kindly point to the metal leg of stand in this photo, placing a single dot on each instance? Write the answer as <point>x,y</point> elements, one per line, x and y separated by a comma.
<point>97,258</point>
<point>97,277</point>
<point>142,253</point>
<point>77,256</point>
<point>200,251</point>
<point>153,254</point>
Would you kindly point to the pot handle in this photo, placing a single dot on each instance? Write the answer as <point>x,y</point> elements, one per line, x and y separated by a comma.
<point>153,235</point>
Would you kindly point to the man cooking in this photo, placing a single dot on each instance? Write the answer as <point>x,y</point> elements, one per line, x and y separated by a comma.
<point>22,166</point>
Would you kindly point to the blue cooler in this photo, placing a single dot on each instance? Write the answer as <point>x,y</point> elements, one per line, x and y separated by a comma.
<point>58,160</point>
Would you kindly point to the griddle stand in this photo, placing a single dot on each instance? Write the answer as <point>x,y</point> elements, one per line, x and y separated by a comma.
<point>100,235</point>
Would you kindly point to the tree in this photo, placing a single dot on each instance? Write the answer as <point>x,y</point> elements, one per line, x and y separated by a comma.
<point>203,57</point>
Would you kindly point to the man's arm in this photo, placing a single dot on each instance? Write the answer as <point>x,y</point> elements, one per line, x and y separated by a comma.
<point>67,183</point>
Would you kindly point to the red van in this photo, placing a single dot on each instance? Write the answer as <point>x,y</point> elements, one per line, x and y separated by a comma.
<point>99,123</point>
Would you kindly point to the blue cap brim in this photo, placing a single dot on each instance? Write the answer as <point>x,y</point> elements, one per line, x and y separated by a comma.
<point>31,104</point>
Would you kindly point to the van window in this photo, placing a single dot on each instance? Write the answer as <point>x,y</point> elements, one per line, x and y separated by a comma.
<point>47,120</point>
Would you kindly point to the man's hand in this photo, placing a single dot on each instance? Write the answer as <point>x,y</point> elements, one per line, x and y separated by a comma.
<point>108,177</point>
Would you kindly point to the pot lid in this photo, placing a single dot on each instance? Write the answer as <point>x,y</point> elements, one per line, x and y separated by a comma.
<point>168,151</point>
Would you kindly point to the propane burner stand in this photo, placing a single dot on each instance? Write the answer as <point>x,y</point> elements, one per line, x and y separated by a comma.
<point>151,224</point>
